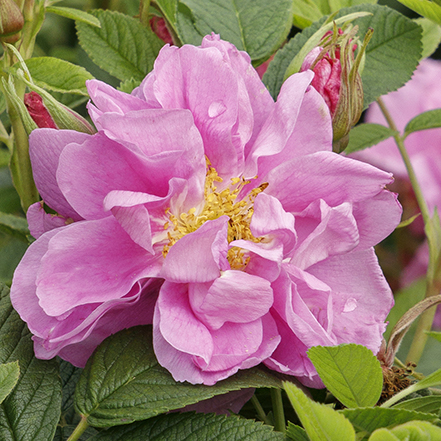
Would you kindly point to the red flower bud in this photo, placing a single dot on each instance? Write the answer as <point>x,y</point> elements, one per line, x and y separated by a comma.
<point>160,29</point>
<point>38,112</point>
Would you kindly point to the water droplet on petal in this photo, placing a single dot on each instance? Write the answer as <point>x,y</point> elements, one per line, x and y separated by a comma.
<point>350,305</point>
<point>216,108</point>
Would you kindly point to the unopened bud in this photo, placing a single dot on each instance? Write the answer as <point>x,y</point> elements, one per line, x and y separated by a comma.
<point>159,27</point>
<point>11,21</point>
<point>337,79</point>
<point>52,114</point>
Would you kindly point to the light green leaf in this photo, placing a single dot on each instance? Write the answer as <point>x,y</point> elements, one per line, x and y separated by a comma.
<point>169,9</point>
<point>124,366</point>
<point>373,418</point>
<point>296,433</point>
<point>306,12</point>
<point>320,422</point>
<point>367,135</point>
<point>253,26</point>
<point>58,75</point>
<point>431,380</point>
<point>351,372</point>
<point>384,70</point>
<point>427,120</point>
<point>5,157</point>
<point>436,335</point>
<point>413,430</point>
<point>74,14</point>
<point>16,226</point>
<point>122,46</point>
<point>32,410</point>
<point>128,85</point>
<point>408,221</point>
<point>9,373</point>
<point>425,8</point>
<point>429,404</point>
<point>431,36</point>
<point>192,427</point>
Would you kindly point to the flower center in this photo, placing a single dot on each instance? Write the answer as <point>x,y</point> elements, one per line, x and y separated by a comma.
<point>217,204</point>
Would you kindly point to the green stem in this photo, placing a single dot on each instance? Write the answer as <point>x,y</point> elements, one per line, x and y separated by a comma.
<point>433,283</point>
<point>279,414</point>
<point>79,430</point>
<point>144,16</point>
<point>259,409</point>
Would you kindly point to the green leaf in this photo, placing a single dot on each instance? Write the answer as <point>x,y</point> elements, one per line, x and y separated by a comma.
<point>384,70</point>
<point>306,12</point>
<point>169,9</point>
<point>436,335</point>
<point>122,46</point>
<point>128,85</point>
<point>253,26</point>
<point>351,372</point>
<point>124,366</point>
<point>69,379</point>
<point>413,430</point>
<point>9,374</point>
<point>320,422</point>
<point>74,14</point>
<point>192,427</point>
<point>431,36</point>
<point>58,75</point>
<point>296,433</point>
<point>16,226</point>
<point>426,8</point>
<point>373,418</point>
<point>429,404</point>
<point>408,221</point>
<point>5,157</point>
<point>32,410</point>
<point>426,120</point>
<point>367,135</point>
<point>11,252</point>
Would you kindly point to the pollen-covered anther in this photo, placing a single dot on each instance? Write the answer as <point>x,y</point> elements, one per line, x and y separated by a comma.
<point>218,204</point>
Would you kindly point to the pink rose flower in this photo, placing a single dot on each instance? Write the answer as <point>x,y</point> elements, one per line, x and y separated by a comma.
<point>219,212</point>
<point>420,94</point>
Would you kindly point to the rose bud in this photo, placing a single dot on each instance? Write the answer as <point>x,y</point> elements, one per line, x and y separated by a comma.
<point>337,79</point>
<point>11,21</point>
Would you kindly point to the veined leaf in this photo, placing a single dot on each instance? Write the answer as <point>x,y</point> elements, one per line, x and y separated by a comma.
<point>9,373</point>
<point>426,120</point>
<point>74,14</point>
<point>367,135</point>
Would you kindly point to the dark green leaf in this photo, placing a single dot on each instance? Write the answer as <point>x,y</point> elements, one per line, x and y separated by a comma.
<point>351,372</point>
<point>31,412</point>
<point>391,55</point>
<point>58,75</point>
<point>427,120</point>
<point>123,382</point>
<point>11,252</point>
<point>367,135</point>
<point>9,373</point>
<point>191,427</point>
<point>321,423</point>
<point>122,46</point>
<point>429,404</point>
<point>69,378</point>
<point>16,226</point>
<point>253,26</point>
<point>74,14</point>
<point>296,433</point>
<point>370,419</point>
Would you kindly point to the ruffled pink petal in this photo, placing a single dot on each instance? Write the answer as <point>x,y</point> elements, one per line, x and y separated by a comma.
<point>235,297</point>
<point>196,256</point>
<point>45,148</point>
<point>286,132</point>
<point>40,222</point>
<point>178,325</point>
<point>198,79</point>
<point>90,262</point>
<point>327,176</point>
<point>334,231</point>
<point>360,304</point>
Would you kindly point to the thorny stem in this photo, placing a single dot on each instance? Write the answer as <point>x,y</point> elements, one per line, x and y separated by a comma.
<point>279,414</point>
<point>433,282</point>
<point>79,430</point>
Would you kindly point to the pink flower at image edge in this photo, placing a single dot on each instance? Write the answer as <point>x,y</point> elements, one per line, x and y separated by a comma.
<point>206,208</point>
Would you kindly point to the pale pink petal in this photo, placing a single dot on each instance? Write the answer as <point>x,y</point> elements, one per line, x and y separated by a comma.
<point>40,222</point>
<point>81,262</point>
<point>235,297</point>
<point>45,148</point>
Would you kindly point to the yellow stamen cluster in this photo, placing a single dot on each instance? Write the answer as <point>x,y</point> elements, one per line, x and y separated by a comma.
<point>218,204</point>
